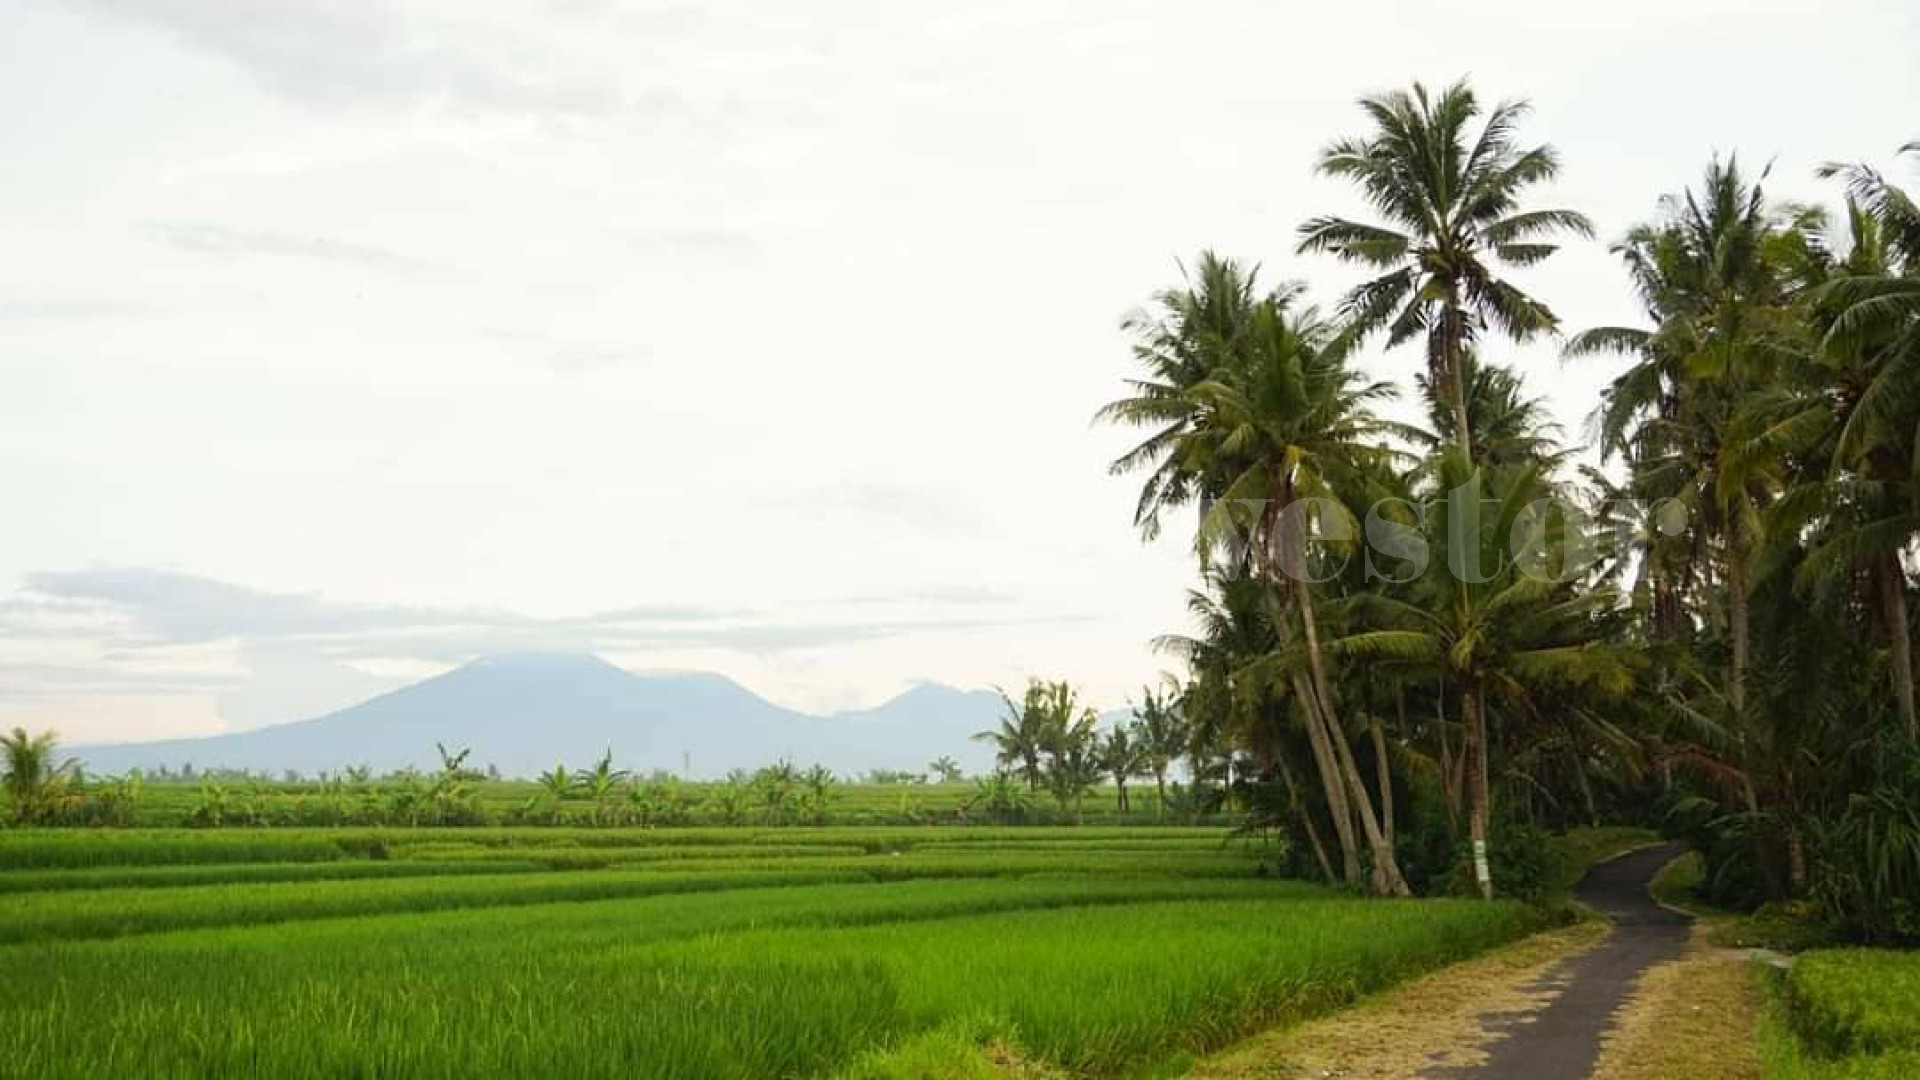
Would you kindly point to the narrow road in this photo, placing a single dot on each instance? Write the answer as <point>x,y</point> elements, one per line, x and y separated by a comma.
<point>1562,1040</point>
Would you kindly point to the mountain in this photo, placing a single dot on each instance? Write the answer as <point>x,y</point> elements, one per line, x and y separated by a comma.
<point>524,713</point>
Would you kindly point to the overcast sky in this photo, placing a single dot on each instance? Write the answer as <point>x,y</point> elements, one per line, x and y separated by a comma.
<point>344,340</point>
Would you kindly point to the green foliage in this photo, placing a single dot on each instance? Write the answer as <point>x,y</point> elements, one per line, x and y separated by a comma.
<point>36,781</point>
<point>1529,864</point>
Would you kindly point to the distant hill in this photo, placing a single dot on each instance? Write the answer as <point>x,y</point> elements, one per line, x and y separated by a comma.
<point>524,713</point>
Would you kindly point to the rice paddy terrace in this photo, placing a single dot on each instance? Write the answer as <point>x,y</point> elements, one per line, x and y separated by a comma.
<point>695,952</point>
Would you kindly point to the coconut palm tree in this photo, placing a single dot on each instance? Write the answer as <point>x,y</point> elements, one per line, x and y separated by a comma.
<point>1870,313</point>
<point>1450,202</point>
<point>1271,429</point>
<point>947,769</point>
<point>1162,736</point>
<point>1724,304</point>
<point>36,781</point>
<point>1289,426</point>
<point>1020,740</point>
<point>1123,755</point>
<point>1181,340</point>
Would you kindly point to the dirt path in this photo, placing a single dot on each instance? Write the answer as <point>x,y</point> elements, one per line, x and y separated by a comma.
<point>1537,1010</point>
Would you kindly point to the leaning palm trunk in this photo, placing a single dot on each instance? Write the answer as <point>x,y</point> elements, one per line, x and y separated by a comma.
<point>1386,869</point>
<point>1335,790</point>
<point>1325,762</point>
<point>1387,878</point>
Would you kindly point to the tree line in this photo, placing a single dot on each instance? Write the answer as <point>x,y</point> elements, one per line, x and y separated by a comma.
<point>1429,641</point>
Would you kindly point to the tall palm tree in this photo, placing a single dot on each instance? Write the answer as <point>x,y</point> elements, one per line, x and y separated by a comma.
<point>35,780</point>
<point>1450,201</point>
<point>1287,425</point>
<point>1261,421</point>
<point>1871,314</point>
<point>1724,307</point>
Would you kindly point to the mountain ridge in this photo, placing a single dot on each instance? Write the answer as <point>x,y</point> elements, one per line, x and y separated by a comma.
<point>522,712</point>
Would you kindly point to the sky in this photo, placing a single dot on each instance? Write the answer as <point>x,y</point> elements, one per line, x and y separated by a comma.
<point>342,341</point>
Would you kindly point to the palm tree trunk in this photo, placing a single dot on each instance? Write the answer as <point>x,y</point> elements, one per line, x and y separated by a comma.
<point>1384,772</point>
<point>1325,761</point>
<point>1387,879</point>
<point>1737,620</point>
<point>1306,818</point>
<point>1893,606</point>
<point>1586,791</point>
<point>1335,789</point>
<point>1450,366</point>
<point>1478,791</point>
<point>1452,769</point>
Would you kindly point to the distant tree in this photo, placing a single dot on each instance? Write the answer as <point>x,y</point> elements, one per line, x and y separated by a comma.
<point>1069,736</point>
<point>1122,754</point>
<point>36,782</point>
<point>601,784</point>
<point>817,793</point>
<point>1000,797</point>
<point>1162,732</point>
<point>729,799</point>
<point>773,786</point>
<point>451,795</point>
<point>556,786</point>
<point>947,769</point>
<point>1019,741</point>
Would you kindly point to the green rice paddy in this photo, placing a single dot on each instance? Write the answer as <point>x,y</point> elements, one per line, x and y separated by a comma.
<point>709,952</point>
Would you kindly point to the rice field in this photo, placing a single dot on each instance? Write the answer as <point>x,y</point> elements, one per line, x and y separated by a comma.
<point>1846,1014</point>
<point>702,952</point>
<point>280,802</point>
